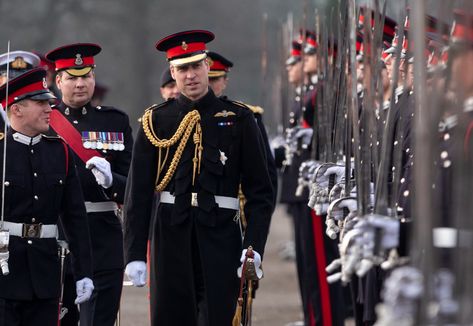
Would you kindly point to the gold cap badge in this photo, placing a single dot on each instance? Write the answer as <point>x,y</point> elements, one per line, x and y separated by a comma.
<point>79,60</point>
<point>19,63</point>
<point>184,46</point>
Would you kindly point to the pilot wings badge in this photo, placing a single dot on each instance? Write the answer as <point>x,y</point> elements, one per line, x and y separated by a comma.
<point>224,114</point>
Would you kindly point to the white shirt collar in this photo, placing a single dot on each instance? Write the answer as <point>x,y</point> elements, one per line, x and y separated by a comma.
<point>27,140</point>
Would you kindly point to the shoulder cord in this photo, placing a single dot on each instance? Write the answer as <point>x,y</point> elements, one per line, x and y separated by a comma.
<point>191,120</point>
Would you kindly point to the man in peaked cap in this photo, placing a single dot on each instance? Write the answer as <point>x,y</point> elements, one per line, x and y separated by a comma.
<point>218,74</point>
<point>101,140</point>
<point>40,190</point>
<point>168,86</point>
<point>16,62</point>
<point>199,245</point>
<point>461,56</point>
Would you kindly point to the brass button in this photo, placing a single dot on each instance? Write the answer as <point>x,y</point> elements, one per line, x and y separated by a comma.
<point>35,175</point>
<point>33,220</point>
<point>115,195</point>
<point>30,242</point>
<point>60,182</point>
<point>7,183</point>
<point>32,151</point>
<point>36,197</point>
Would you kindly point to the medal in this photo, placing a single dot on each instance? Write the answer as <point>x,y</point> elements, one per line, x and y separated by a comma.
<point>85,139</point>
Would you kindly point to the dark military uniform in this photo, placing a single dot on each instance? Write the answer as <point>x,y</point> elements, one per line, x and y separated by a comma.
<point>272,170</point>
<point>41,185</point>
<point>198,248</point>
<point>105,226</point>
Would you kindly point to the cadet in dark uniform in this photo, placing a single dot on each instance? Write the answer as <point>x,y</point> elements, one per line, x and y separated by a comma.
<point>102,139</point>
<point>41,186</point>
<point>199,247</point>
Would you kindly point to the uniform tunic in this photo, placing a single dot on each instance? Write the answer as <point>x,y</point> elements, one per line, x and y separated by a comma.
<point>42,186</point>
<point>197,249</point>
<point>106,232</point>
<point>105,227</point>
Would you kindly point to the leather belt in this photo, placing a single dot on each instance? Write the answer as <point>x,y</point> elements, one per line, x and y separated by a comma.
<point>222,201</point>
<point>25,230</point>
<point>101,206</point>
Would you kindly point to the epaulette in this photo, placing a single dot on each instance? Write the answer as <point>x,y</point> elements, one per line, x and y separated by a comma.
<point>160,105</point>
<point>252,108</point>
<point>2,135</point>
<point>240,104</point>
<point>255,109</point>
<point>154,107</point>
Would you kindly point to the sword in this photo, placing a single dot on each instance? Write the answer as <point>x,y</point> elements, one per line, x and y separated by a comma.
<point>4,234</point>
<point>63,250</point>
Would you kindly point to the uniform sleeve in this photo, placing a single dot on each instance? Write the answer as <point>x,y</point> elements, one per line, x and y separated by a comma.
<point>139,198</point>
<point>256,186</point>
<point>120,166</point>
<point>75,223</point>
<point>272,171</point>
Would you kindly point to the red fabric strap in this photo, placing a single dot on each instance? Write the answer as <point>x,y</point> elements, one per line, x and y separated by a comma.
<point>72,137</point>
<point>321,261</point>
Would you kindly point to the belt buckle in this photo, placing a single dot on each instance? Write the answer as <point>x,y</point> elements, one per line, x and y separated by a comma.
<point>31,230</point>
<point>194,202</point>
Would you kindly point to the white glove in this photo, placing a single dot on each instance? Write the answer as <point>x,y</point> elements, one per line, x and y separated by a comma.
<point>4,263</point>
<point>84,288</point>
<point>256,261</point>
<point>318,199</point>
<point>136,272</point>
<point>102,171</point>
<point>305,134</point>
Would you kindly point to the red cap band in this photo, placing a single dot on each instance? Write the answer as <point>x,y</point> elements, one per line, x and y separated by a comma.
<point>38,86</point>
<point>296,52</point>
<point>217,65</point>
<point>185,48</point>
<point>72,63</point>
<point>462,32</point>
